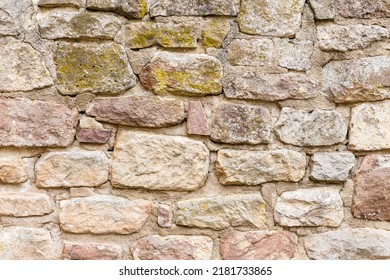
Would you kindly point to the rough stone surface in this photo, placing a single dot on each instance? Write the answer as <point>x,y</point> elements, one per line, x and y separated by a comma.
<point>271,87</point>
<point>296,55</point>
<point>349,37</point>
<point>95,136</point>
<point>363,8</point>
<point>24,204</point>
<point>323,9</point>
<point>142,111</point>
<point>32,123</point>
<point>101,214</point>
<point>235,167</point>
<point>349,244</point>
<point>186,74</point>
<point>332,166</point>
<point>320,206</point>
<point>12,171</point>
<point>365,79</point>
<point>271,17</point>
<point>194,8</point>
<point>72,169</point>
<point>84,67</point>
<point>173,247</point>
<point>215,31</point>
<point>370,127</point>
<point>164,216</point>
<point>241,124</point>
<point>15,17</point>
<point>18,243</point>
<point>91,251</point>
<point>159,162</point>
<point>254,52</point>
<point>371,200</point>
<point>316,128</point>
<point>258,245</point>
<point>60,3</point>
<point>127,8</point>
<point>22,68</point>
<point>221,212</point>
<point>59,24</point>
<point>197,120</point>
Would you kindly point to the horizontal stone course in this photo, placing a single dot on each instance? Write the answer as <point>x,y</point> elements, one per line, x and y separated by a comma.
<point>91,251</point>
<point>24,204</point>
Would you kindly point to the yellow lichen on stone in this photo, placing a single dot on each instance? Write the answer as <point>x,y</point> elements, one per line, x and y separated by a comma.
<point>215,32</point>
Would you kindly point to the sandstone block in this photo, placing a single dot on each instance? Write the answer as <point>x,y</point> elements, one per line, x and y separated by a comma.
<point>254,52</point>
<point>197,120</point>
<point>363,8</point>
<point>215,31</point>
<point>334,167</point>
<point>15,19</point>
<point>127,8</point>
<point>91,251</point>
<point>323,9</point>
<point>24,204</point>
<point>94,136</point>
<point>295,55</point>
<point>12,171</point>
<point>60,3</point>
<point>164,216</point>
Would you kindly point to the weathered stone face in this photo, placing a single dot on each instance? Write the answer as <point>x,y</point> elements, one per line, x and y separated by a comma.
<point>371,200</point>
<point>215,31</point>
<point>22,68</point>
<point>173,247</point>
<point>24,204</point>
<point>126,8</point>
<point>12,171</point>
<point>197,120</point>
<point>91,251</point>
<point>59,24</point>
<point>316,128</point>
<point>194,8</point>
<point>258,245</point>
<point>221,212</point>
<point>370,127</point>
<point>15,17</point>
<point>333,166</point>
<point>101,214</point>
<point>158,162</point>
<point>19,243</point>
<point>280,18</point>
<point>323,9</point>
<point>32,123</point>
<point>296,55</point>
<point>235,167</point>
<point>84,67</point>
<point>254,52</point>
<point>164,216</point>
<point>238,124</point>
<point>72,169</point>
<point>349,244</point>
<point>365,79</point>
<point>270,87</point>
<point>94,136</point>
<point>60,3</point>
<point>363,8</point>
<point>309,207</point>
<point>141,111</point>
<point>184,74</point>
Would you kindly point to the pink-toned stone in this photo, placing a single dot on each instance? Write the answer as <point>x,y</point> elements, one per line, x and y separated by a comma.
<point>164,216</point>
<point>363,8</point>
<point>96,136</point>
<point>33,123</point>
<point>197,119</point>
<point>258,245</point>
<point>143,111</point>
<point>91,251</point>
<point>24,204</point>
<point>12,171</point>
<point>372,193</point>
<point>173,247</point>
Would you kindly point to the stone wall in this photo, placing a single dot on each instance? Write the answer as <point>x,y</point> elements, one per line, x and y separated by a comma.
<point>194,129</point>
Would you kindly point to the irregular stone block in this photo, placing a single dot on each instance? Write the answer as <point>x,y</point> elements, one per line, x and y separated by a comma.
<point>12,171</point>
<point>333,167</point>
<point>24,204</point>
<point>194,8</point>
<point>280,18</point>
<point>270,87</point>
<point>94,136</point>
<point>321,206</point>
<point>15,18</point>
<point>215,31</point>
<point>316,128</point>
<point>164,216</point>
<point>184,74</point>
<point>296,55</point>
<point>221,212</point>
<point>349,244</point>
<point>142,111</point>
<point>60,3</point>
<point>102,214</point>
<point>72,169</point>
<point>235,167</point>
<point>173,247</point>
<point>18,243</point>
<point>91,251</point>
<point>59,24</point>
<point>22,68</point>
<point>8,25</point>
<point>370,127</point>
<point>323,9</point>
<point>371,199</point>
<point>33,123</point>
<point>254,52</point>
<point>127,8</point>
<point>363,8</point>
<point>349,37</point>
<point>365,79</point>
<point>197,119</point>
<point>241,124</point>
<point>258,245</point>
<point>159,162</point>
<point>93,67</point>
